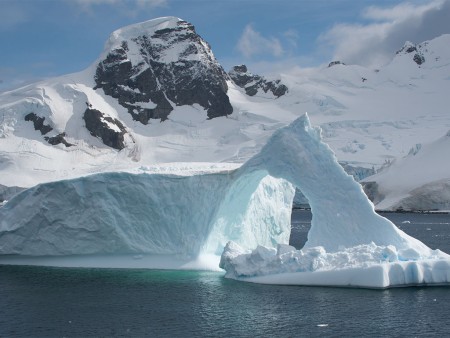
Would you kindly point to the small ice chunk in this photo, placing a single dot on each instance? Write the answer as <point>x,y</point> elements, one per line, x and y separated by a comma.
<point>409,254</point>
<point>284,248</point>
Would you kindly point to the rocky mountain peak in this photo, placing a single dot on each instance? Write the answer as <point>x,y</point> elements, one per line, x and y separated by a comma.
<point>253,83</point>
<point>153,66</point>
<point>410,48</point>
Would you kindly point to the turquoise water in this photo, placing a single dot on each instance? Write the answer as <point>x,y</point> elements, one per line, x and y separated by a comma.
<point>55,302</point>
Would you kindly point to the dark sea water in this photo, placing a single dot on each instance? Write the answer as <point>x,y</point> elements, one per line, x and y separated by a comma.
<point>56,302</point>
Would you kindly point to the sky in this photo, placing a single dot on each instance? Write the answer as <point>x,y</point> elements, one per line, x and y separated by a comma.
<point>46,38</point>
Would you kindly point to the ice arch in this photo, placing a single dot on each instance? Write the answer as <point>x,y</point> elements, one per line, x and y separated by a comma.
<point>342,214</point>
<point>348,243</point>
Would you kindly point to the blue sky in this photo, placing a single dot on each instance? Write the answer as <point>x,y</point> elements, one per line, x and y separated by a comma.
<point>44,38</point>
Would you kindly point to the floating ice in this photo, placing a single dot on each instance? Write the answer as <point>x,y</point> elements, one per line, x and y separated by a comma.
<point>348,243</point>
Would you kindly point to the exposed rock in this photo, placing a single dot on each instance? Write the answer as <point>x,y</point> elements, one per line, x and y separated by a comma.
<point>431,196</point>
<point>38,123</point>
<point>253,83</point>
<point>372,191</point>
<point>58,139</point>
<point>409,48</point>
<point>415,150</point>
<point>419,58</point>
<point>110,130</point>
<point>154,70</point>
<point>334,63</point>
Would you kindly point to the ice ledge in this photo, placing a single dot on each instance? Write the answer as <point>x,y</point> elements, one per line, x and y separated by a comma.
<point>118,261</point>
<point>368,266</point>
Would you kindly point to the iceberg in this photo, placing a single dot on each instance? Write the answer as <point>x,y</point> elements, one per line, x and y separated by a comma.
<point>193,215</point>
<point>348,244</point>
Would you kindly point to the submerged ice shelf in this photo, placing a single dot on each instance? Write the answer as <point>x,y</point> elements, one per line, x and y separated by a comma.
<point>179,217</point>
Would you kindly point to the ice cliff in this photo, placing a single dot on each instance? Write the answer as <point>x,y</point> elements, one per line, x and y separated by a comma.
<point>148,211</point>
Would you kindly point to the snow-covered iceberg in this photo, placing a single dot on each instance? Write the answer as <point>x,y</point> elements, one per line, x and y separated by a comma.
<point>185,212</point>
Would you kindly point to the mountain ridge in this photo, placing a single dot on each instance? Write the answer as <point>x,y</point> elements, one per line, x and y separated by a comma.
<point>368,117</point>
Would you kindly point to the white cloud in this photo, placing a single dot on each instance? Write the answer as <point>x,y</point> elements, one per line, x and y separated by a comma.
<point>374,43</point>
<point>253,43</point>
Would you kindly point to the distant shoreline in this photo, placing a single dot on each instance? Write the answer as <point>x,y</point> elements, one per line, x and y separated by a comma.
<point>399,211</point>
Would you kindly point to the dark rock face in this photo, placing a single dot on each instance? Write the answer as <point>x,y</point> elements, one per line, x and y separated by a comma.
<point>419,58</point>
<point>335,63</point>
<point>38,123</point>
<point>99,126</point>
<point>58,139</point>
<point>150,83</point>
<point>409,48</point>
<point>372,191</point>
<point>253,83</point>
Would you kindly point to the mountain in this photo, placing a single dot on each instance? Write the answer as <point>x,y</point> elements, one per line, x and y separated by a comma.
<point>256,84</point>
<point>421,180</point>
<point>157,94</point>
<point>164,63</point>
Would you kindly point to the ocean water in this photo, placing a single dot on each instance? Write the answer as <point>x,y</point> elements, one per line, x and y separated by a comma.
<point>56,302</point>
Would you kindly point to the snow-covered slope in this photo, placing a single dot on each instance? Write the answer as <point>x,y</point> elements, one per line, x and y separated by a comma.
<point>421,180</point>
<point>108,117</point>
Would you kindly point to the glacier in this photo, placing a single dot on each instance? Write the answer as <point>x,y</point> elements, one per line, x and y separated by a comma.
<point>185,213</point>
